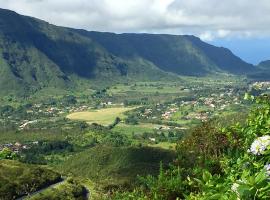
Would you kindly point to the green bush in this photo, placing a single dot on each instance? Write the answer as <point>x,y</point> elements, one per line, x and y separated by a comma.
<point>217,163</point>
<point>18,179</point>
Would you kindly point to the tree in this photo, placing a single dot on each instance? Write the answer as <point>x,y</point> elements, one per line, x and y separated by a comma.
<point>6,153</point>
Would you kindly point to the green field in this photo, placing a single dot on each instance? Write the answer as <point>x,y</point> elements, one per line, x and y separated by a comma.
<point>104,116</point>
<point>134,129</point>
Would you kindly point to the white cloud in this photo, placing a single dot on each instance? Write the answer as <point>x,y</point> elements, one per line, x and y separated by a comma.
<point>207,36</point>
<point>206,18</point>
<point>223,33</point>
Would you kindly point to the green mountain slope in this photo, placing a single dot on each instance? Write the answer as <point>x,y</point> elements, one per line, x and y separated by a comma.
<point>117,165</point>
<point>265,64</point>
<point>263,71</point>
<point>184,55</point>
<point>35,55</point>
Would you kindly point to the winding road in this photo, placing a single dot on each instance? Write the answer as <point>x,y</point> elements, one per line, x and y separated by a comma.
<point>49,187</point>
<point>41,190</point>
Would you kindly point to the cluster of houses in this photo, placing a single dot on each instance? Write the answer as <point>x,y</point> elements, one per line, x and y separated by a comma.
<point>53,110</point>
<point>202,116</point>
<point>17,146</point>
<point>66,109</point>
<point>263,85</point>
<point>26,124</point>
<point>39,111</point>
<point>220,103</point>
<point>108,103</point>
<point>200,109</point>
<point>76,109</point>
<point>168,114</point>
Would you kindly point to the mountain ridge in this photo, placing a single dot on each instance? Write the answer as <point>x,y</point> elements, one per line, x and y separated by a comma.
<point>35,55</point>
<point>130,44</point>
<point>264,64</point>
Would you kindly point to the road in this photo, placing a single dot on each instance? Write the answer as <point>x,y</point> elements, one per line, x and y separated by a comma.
<point>41,190</point>
<point>48,187</point>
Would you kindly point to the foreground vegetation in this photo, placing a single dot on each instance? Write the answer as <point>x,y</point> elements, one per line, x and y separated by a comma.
<point>184,130</point>
<point>217,163</point>
<point>93,125</point>
<point>70,189</point>
<point>116,167</point>
<point>17,179</point>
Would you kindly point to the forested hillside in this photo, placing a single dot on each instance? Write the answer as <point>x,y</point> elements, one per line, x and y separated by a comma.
<point>35,55</point>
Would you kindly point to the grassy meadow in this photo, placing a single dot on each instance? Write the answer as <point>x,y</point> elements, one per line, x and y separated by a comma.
<point>104,116</point>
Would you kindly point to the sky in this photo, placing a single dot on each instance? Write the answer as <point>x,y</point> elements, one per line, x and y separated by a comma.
<point>241,25</point>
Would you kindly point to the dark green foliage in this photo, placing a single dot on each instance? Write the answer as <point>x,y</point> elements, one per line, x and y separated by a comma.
<point>36,153</point>
<point>265,64</point>
<point>222,57</point>
<point>8,154</point>
<point>263,72</point>
<point>167,185</point>
<point>17,179</point>
<point>186,55</point>
<point>6,110</point>
<point>205,144</point>
<point>131,119</point>
<point>116,166</point>
<point>69,100</point>
<point>222,164</point>
<point>71,189</point>
<point>116,140</point>
<point>116,121</point>
<point>35,56</point>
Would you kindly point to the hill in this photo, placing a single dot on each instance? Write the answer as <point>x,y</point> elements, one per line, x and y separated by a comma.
<point>263,71</point>
<point>35,55</point>
<point>183,55</point>
<point>265,64</point>
<point>18,179</point>
<point>116,165</point>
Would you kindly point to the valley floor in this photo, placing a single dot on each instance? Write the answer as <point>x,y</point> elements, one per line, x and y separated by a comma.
<point>104,140</point>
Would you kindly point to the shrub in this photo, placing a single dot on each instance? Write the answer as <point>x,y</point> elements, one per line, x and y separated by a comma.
<point>217,163</point>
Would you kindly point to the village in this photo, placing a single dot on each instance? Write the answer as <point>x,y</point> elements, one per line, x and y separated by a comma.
<point>178,114</point>
<point>263,85</point>
<point>17,147</point>
<point>198,109</point>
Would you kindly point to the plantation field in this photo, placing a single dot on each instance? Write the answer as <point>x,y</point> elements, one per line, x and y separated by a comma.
<point>103,116</point>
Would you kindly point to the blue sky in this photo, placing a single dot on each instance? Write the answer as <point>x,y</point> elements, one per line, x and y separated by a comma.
<point>241,25</point>
<point>252,50</point>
